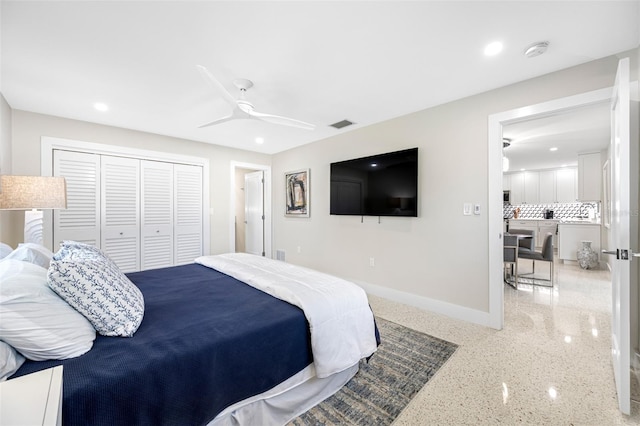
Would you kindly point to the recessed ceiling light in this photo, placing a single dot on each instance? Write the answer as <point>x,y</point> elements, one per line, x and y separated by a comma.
<point>259,141</point>
<point>374,164</point>
<point>493,49</point>
<point>522,170</point>
<point>553,149</point>
<point>101,106</point>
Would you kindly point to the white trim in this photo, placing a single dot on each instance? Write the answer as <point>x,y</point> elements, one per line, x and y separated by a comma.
<point>267,204</point>
<point>49,144</point>
<point>494,140</point>
<point>432,305</point>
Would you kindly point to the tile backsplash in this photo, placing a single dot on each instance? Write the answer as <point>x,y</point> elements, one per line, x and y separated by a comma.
<point>560,210</point>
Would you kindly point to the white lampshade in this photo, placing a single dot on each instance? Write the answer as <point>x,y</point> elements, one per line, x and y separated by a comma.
<point>31,193</point>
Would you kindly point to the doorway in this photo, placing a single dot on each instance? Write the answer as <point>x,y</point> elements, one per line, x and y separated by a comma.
<point>250,203</point>
<point>495,210</point>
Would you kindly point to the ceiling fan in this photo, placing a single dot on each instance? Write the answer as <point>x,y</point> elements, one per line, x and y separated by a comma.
<point>243,109</point>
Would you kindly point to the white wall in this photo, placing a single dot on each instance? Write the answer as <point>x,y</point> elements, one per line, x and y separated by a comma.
<point>438,260</point>
<point>5,163</point>
<point>29,127</point>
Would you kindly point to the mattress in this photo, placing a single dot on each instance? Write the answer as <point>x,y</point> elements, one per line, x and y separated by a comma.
<point>207,341</point>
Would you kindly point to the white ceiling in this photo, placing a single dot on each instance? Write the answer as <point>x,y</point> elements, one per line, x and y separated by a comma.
<point>320,62</point>
<point>581,130</point>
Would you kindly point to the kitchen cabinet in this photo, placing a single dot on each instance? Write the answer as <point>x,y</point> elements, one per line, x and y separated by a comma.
<point>531,187</point>
<point>506,182</point>
<point>547,227</point>
<point>566,185</point>
<point>524,187</point>
<point>557,186</point>
<point>570,237</point>
<point>517,188</point>
<point>547,187</point>
<point>589,177</point>
<point>540,229</point>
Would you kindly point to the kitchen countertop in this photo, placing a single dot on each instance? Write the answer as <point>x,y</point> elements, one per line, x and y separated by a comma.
<point>570,221</point>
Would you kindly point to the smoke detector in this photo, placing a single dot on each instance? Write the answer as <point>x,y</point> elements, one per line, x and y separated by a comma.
<point>536,49</point>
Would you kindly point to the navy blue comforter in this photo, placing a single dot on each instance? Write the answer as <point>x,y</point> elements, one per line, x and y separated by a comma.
<point>206,341</point>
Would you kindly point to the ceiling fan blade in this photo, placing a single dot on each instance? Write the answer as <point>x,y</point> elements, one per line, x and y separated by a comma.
<point>285,121</point>
<point>217,86</point>
<point>235,115</point>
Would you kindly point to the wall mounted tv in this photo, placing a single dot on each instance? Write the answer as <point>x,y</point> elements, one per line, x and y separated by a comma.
<point>379,185</point>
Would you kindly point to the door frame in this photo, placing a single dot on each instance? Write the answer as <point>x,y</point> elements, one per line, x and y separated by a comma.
<point>267,203</point>
<point>496,122</point>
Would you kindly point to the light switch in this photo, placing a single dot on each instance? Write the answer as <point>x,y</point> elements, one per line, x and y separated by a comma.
<point>476,209</point>
<point>466,209</point>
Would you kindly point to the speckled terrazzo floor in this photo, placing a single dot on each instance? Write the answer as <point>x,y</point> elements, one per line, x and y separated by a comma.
<point>549,365</point>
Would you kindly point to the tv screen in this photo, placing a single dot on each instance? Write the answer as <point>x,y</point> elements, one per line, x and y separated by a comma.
<point>379,185</point>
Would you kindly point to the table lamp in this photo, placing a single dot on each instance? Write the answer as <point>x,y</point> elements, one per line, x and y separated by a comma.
<point>32,193</point>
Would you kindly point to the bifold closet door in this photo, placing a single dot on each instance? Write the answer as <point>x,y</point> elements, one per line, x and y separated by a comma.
<point>188,213</point>
<point>156,214</point>
<point>120,213</point>
<point>80,221</point>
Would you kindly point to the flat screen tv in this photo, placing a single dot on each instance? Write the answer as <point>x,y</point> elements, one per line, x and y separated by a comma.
<point>379,185</point>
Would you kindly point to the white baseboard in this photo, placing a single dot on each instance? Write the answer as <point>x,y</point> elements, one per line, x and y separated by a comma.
<point>444,308</point>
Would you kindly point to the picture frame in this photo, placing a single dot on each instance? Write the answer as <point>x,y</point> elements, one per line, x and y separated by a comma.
<point>297,190</point>
<point>606,194</point>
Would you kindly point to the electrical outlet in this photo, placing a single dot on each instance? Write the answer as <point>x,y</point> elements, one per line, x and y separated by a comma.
<point>372,262</point>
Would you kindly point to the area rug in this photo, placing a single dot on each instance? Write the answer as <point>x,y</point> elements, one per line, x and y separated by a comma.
<point>405,361</point>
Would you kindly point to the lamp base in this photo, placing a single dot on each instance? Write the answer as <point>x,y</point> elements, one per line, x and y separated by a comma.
<point>33,226</point>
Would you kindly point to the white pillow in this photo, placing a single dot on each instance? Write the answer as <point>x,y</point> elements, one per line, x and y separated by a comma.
<point>97,289</point>
<point>10,361</point>
<point>32,253</point>
<point>35,321</point>
<point>5,249</point>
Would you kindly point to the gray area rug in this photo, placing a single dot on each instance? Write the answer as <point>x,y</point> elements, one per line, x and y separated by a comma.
<point>405,361</point>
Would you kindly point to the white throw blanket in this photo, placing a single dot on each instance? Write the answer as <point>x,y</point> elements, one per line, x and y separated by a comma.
<point>338,312</point>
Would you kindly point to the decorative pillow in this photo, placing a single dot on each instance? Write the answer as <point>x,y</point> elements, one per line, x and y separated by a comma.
<point>32,253</point>
<point>35,321</point>
<point>100,291</point>
<point>5,249</point>
<point>75,250</point>
<point>10,361</point>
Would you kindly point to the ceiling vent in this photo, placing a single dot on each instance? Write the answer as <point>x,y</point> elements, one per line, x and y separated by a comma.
<point>341,124</point>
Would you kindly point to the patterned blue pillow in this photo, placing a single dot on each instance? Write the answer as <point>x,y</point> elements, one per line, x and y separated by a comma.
<point>97,289</point>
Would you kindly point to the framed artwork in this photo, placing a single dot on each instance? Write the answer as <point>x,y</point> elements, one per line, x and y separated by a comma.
<point>606,192</point>
<point>297,193</point>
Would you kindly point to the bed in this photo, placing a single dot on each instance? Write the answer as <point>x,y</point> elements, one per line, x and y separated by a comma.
<point>219,348</point>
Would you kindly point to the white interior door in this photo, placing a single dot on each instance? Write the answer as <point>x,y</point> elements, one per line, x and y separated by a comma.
<point>80,221</point>
<point>254,212</point>
<point>156,214</point>
<point>120,215</point>
<point>619,241</point>
<point>188,213</point>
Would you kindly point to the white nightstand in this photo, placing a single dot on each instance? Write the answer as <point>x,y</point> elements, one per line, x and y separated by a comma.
<point>34,399</point>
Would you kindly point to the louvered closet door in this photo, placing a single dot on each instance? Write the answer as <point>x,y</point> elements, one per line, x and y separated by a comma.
<point>120,211</point>
<point>80,221</point>
<point>188,213</point>
<point>156,214</point>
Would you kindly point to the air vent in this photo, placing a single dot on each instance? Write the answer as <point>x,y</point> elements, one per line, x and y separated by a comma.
<point>341,124</point>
